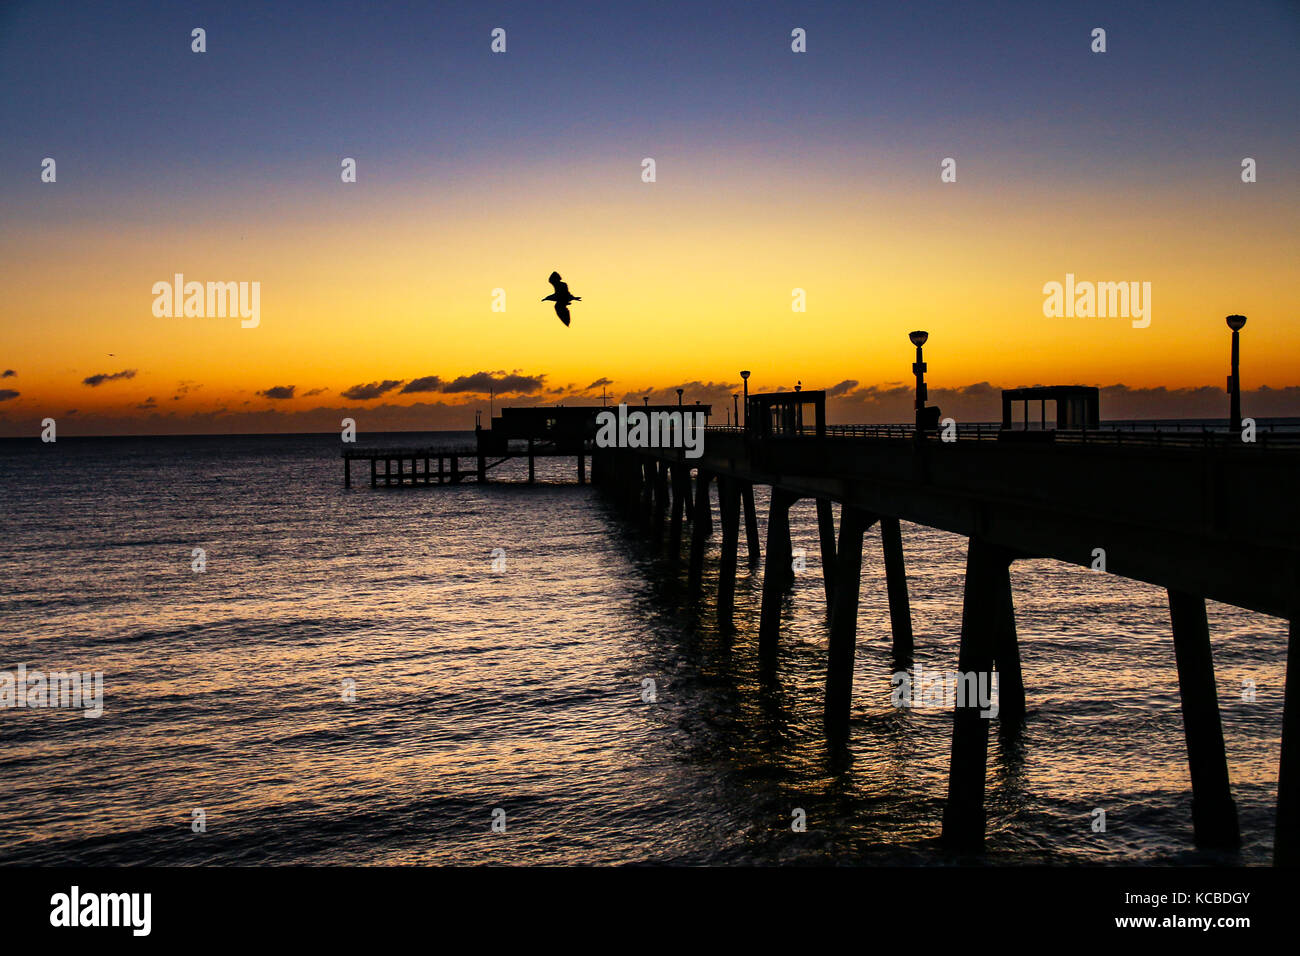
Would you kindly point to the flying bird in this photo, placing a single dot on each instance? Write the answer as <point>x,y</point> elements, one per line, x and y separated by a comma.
<point>561,297</point>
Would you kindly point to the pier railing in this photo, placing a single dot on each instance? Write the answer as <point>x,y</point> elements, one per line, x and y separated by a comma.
<point>1171,434</point>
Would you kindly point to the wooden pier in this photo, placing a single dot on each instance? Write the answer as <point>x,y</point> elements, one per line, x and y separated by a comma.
<point>1201,514</point>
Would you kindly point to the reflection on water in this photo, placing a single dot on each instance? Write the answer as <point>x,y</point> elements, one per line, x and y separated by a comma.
<point>522,689</point>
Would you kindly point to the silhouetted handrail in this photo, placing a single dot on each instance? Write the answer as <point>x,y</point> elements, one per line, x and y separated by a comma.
<point>1173,434</point>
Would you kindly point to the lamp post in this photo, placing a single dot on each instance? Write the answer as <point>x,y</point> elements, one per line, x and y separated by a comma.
<point>918,339</point>
<point>744,375</point>
<point>679,397</point>
<point>647,401</point>
<point>1235,322</point>
<point>735,403</point>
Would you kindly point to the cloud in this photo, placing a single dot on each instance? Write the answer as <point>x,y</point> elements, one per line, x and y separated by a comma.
<point>427,383</point>
<point>598,383</point>
<point>842,388</point>
<point>94,381</point>
<point>8,373</point>
<point>277,391</point>
<point>497,381</point>
<point>361,393</point>
<point>148,403</point>
<point>7,393</point>
<point>315,391</point>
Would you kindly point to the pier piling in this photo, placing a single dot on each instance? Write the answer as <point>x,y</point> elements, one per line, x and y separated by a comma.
<point>854,523</point>
<point>701,529</point>
<point>777,571</point>
<point>981,618</point>
<point>729,515</point>
<point>1006,649</point>
<point>1286,839</point>
<point>826,531</point>
<point>900,610</point>
<point>681,486</point>
<point>751,522</point>
<point>1214,815</point>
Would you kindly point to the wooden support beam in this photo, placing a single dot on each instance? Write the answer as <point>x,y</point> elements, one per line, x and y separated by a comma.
<point>374,473</point>
<point>982,610</point>
<point>1214,815</point>
<point>1006,651</point>
<point>729,515</point>
<point>681,488</point>
<point>1286,838</point>
<point>645,474</point>
<point>847,570</point>
<point>701,529</point>
<point>826,531</point>
<point>582,468</point>
<point>777,572</point>
<point>900,611</point>
<point>751,523</point>
<point>531,466</point>
<point>633,477</point>
<point>661,490</point>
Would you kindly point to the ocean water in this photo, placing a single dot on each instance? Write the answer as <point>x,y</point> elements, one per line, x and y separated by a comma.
<point>520,689</point>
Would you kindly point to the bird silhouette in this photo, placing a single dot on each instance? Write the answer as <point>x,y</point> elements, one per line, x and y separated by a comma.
<point>561,297</point>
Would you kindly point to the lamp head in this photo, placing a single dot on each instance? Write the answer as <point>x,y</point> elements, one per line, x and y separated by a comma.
<point>745,374</point>
<point>1235,322</point>
<point>918,338</point>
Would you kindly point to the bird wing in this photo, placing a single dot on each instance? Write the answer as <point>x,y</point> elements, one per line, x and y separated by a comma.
<point>556,282</point>
<point>562,310</point>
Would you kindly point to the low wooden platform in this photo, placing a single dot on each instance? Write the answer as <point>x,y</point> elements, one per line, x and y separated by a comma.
<point>443,466</point>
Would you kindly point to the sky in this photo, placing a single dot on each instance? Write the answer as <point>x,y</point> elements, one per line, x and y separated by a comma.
<point>775,171</point>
